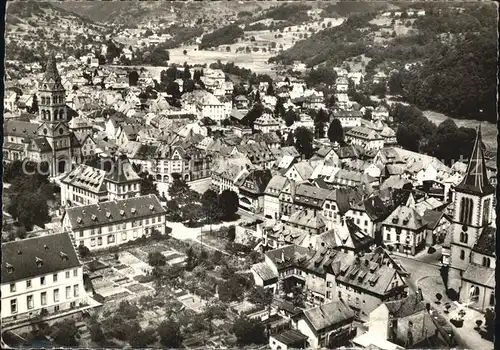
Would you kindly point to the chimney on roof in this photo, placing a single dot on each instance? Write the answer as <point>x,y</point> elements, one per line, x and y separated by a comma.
<point>46,247</point>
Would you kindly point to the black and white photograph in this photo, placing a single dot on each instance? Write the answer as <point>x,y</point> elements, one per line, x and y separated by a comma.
<point>265,175</point>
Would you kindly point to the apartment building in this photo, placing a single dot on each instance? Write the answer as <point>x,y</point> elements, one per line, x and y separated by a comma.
<point>105,180</point>
<point>40,273</point>
<point>112,223</point>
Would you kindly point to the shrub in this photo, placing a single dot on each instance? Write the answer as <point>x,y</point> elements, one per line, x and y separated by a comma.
<point>431,250</point>
<point>99,298</point>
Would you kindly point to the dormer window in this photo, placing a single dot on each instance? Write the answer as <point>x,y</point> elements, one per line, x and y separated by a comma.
<point>10,268</point>
<point>108,214</point>
<point>132,210</point>
<point>94,218</point>
<point>39,262</point>
<point>151,207</point>
<point>63,256</point>
<point>79,220</point>
<point>122,212</point>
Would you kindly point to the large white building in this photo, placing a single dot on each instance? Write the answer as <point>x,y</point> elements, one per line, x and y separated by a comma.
<point>114,179</point>
<point>40,273</point>
<point>112,223</point>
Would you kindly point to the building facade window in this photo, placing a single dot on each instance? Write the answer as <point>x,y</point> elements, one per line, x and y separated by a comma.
<point>462,254</point>
<point>29,302</point>
<point>67,274</point>
<point>42,280</point>
<point>56,295</point>
<point>68,292</point>
<point>12,287</point>
<point>76,291</point>
<point>28,284</point>
<point>43,298</point>
<point>54,277</point>
<point>13,306</point>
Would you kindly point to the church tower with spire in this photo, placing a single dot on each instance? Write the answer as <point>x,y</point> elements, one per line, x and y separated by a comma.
<point>53,118</point>
<point>473,207</point>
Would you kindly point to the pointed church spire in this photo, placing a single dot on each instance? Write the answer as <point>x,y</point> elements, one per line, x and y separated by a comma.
<point>476,180</point>
<point>51,71</point>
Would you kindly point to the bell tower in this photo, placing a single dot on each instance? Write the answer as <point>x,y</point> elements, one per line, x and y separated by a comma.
<point>52,116</point>
<point>473,207</point>
<point>52,103</point>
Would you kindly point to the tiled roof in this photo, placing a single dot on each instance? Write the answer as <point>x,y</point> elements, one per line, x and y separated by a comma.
<point>292,254</point>
<point>364,133</point>
<point>405,217</point>
<point>311,195</point>
<point>486,242</point>
<point>53,252</point>
<point>111,212</point>
<point>327,315</point>
<point>481,275</point>
<point>264,271</point>
<point>405,307</point>
<point>290,337</point>
<point>20,128</point>
<point>476,178</point>
<point>87,177</point>
<point>276,184</point>
<point>307,218</point>
<point>42,144</point>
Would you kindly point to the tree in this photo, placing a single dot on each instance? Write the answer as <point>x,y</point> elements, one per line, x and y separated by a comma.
<point>336,132</point>
<point>228,203</point>
<point>191,212</point>
<point>143,338</point>
<point>147,185</point>
<point>270,90</point>
<point>228,48</point>
<point>257,97</point>
<point>83,251</point>
<point>408,137</point>
<point>210,205</point>
<point>279,109</point>
<point>184,52</point>
<point>64,333</point>
<point>439,296</point>
<point>148,32</point>
<point>173,89</point>
<point>170,334</point>
<point>290,117</point>
<point>191,259</point>
<point>188,86</point>
<point>479,323</point>
<point>186,75</point>
<point>248,331</point>
<point>34,105</point>
<point>156,259</point>
<point>298,298</point>
<point>320,122</point>
<point>396,83</point>
<point>133,78</point>
<point>489,323</point>
<point>30,209</point>
<point>303,141</point>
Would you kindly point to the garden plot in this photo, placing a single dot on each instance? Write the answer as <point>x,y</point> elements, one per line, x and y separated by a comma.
<point>192,302</point>
<point>138,288</point>
<point>110,291</point>
<point>128,258</point>
<point>101,283</point>
<point>157,247</point>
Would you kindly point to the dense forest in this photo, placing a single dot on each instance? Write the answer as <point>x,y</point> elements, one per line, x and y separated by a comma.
<point>223,36</point>
<point>456,54</point>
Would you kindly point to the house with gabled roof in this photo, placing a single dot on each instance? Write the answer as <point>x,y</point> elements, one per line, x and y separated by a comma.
<point>40,273</point>
<point>329,325</point>
<point>111,223</point>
